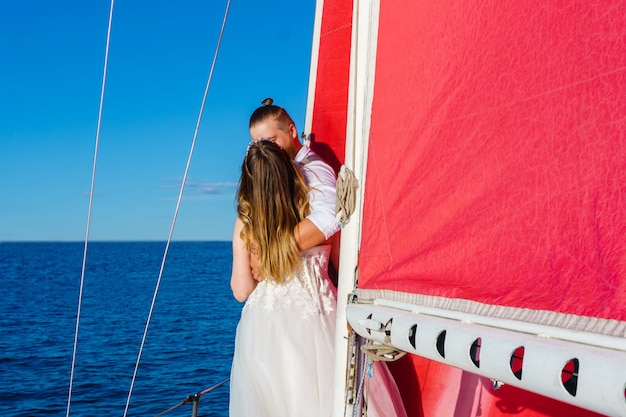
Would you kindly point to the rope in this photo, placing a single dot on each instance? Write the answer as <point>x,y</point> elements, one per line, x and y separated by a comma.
<point>219,384</point>
<point>183,402</point>
<point>381,352</point>
<point>355,409</point>
<point>193,397</point>
<point>372,352</point>
<point>91,194</point>
<point>89,210</point>
<point>180,196</point>
<point>347,185</point>
<point>351,370</point>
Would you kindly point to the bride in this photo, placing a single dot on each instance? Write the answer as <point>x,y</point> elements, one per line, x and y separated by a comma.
<point>284,346</point>
<point>283,360</point>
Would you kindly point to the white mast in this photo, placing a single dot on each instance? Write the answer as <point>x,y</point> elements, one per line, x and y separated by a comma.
<point>360,96</point>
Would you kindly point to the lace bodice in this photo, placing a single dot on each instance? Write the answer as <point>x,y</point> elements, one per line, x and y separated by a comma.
<point>309,290</point>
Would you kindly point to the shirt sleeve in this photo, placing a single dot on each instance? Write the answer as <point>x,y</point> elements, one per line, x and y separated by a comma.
<point>323,194</point>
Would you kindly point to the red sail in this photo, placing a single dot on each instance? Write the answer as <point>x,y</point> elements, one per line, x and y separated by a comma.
<point>497,164</point>
<point>496,168</point>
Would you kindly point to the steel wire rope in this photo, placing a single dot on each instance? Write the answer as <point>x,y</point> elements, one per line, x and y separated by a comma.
<point>194,397</point>
<point>89,210</point>
<point>180,196</point>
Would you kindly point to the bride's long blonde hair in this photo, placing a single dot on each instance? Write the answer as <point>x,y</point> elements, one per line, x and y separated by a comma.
<point>272,199</point>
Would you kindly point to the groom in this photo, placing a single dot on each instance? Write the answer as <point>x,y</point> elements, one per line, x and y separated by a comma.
<point>273,123</point>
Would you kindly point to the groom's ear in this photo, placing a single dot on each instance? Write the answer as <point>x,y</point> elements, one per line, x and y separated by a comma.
<point>293,132</point>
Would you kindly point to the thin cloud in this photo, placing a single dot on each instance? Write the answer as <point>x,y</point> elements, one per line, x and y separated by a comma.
<point>195,187</point>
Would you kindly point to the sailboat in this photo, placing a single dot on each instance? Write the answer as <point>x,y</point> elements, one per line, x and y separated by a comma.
<point>487,238</point>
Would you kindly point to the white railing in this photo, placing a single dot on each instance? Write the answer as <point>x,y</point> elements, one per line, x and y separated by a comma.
<point>586,370</point>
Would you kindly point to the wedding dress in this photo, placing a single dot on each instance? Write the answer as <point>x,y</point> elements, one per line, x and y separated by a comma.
<point>284,350</point>
<point>283,359</point>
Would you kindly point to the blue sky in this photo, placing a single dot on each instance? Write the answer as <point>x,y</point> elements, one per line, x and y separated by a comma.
<point>160,55</point>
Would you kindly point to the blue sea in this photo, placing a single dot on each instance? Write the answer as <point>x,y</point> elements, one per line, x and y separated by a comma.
<point>188,348</point>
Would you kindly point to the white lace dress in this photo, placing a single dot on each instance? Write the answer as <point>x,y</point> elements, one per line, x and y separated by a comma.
<point>283,360</point>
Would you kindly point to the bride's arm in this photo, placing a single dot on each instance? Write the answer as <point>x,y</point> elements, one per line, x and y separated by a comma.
<point>242,282</point>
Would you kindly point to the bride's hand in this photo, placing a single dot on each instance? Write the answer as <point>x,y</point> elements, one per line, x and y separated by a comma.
<point>254,263</point>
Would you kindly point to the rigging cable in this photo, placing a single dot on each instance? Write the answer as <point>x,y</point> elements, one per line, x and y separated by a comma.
<point>194,397</point>
<point>180,196</point>
<point>91,192</point>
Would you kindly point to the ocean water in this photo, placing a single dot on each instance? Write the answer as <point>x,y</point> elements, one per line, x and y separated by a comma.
<point>188,348</point>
